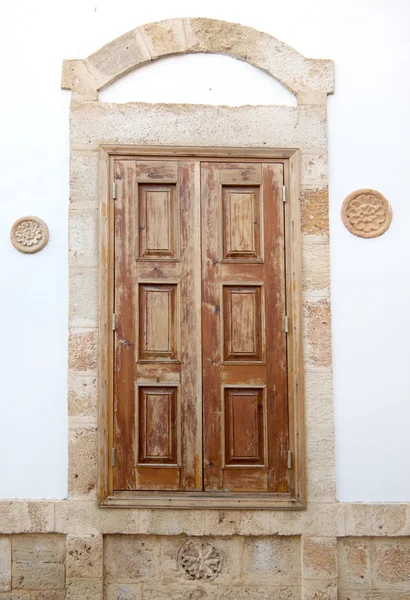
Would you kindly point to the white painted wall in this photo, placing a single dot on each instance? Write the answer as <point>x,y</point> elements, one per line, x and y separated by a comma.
<point>369,123</point>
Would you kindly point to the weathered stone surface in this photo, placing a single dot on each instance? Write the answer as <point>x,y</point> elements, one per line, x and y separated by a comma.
<point>258,593</point>
<point>15,595</point>
<point>375,519</point>
<point>319,558</point>
<point>315,267</point>
<point>321,468</point>
<point>158,522</point>
<point>84,589</point>
<point>5,563</point>
<point>354,563</point>
<point>82,395</point>
<point>37,517</point>
<point>237,522</point>
<point>38,562</point>
<point>84,556</point>
<point>180,592</point>
<point>391,564</point>
<point>372,595</point>
<point>124,591</point>
<point>80,516</point>
<point>271,560</point>
<point>313,169</point>
<point>82,464</point>
<point>315,211</point>
<point>319,520</point>
<point>164,38</point>
<point>318,341</point>
<point>82,350</point>
<point>9,516</point>
<point>48,595</point>
<point>319,590</point>
<point>318,402</point>
<point>83,235</point>
<point>130,558</point>
<point>93,123</point>
<point>120,56</point>
<point>84,177</point>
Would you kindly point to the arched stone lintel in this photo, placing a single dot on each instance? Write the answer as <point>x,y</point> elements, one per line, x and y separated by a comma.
<point>310,80</point>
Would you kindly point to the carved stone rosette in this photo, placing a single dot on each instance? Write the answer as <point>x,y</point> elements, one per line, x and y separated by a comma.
<point>199,560</point>
<point>29,235</point>
<point>366,213</point>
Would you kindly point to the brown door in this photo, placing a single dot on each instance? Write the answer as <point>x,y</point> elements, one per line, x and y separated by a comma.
<point>157,381</point>
<point>200,388</point>
<point>244,340</point>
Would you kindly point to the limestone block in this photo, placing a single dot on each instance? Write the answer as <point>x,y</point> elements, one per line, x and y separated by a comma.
<point>315,267</point>
<point>38,562</point>
<point>317,330</point>
<point>130,558</point>
<point>48,595</point>
<point>180,592</point>
<point>160,522</point>
<point>68,73</point>
<point>9,516</point>
<point>82,350</point>
<point>391,564</point>
<point>82,465</point>
<point>319,558</point>
<point>84,556</point>
<point>124,591</point>
<point>84,177</point>
<point>314,169</point>
<point>237,522</point>
<point>36,517</point>
<point>84,589</point>
<point>164,38</point>
<point>93,123</point>
<point>321,468</point>
<point>120,56</point>
<point>83,236</point>
<point>319,520</point>
<point>5,563</point>
<point>82,395</point>
<point>318,401</point>
<point>259,593</point>
<point>229,549</point>
<point>81,515</point>
<point>15,595</point>
<point>271,560</point>
<point>372,595</point>
<point>315,210</point>
<point>319,590</point>
<point>354,563</point>
<point>376,519</point>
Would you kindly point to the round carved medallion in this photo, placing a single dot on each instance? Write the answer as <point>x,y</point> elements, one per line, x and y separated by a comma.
<point>199,560</point>
<point>29,235</point>
<point>366,213</point>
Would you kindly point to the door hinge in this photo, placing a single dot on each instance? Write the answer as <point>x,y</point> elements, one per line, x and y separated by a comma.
<point>286,324</point>
<point>289,459</point>
<point>113,321</point>
<point>114,190</point>
<point>113,457</point>
<point>284,193</point>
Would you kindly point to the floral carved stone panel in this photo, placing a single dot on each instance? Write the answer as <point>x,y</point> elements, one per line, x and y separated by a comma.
<point>366,213</point>
<point>29,235</point>
<point>199,560</point>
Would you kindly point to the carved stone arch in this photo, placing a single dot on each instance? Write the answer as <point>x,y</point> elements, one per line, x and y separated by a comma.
<point>310,80</point>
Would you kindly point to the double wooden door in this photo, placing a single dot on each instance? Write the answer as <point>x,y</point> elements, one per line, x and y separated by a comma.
<point>200,374</point>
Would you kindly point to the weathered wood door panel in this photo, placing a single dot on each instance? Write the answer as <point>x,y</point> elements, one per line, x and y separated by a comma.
<point>200,384</point>
<point>157,381</point>
<point>244,341</point>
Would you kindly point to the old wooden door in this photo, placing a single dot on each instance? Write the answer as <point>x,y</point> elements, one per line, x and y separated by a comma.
<point>200,384</point>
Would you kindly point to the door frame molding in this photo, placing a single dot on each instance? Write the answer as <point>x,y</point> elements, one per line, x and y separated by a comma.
<point>296,499</point>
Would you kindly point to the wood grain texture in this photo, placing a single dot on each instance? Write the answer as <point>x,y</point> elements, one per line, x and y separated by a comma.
<point>244,322</point>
